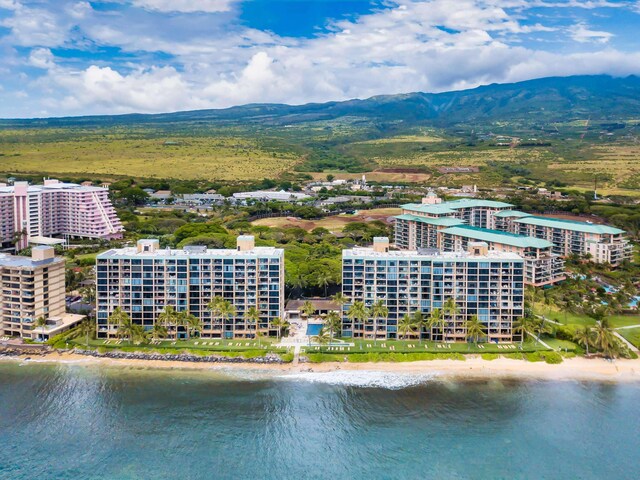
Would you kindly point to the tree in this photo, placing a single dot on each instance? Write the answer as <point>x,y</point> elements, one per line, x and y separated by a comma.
<point>323,337</point>
<point>435,319</point>
<point>307,309</point>
<point>419,322</point>
<point>252,316</point>
<point>191,323</point>
<point>324,279</point>
<point>357,311</point>
<point>475,328</point>
<point>521,327</point>
<point>214,306</point>
<point>168,317</point>
<point>280,325</point>
<point>406,326</point>
<point>584,337</point>
<point>41,322</point>
<point>118,317</point>
<point>378,311</point>
<point>341,300</point>
<point>604,339</point>
<point>333,322</point>
<point>88,294</point>
<point>86,329</point>
<point>227,312</point>
<point>159,331</point>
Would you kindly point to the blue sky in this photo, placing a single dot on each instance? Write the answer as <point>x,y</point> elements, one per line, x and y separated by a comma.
<point>76,57</point>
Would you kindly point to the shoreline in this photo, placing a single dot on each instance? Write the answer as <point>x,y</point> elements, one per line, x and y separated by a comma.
<point>474,367</point>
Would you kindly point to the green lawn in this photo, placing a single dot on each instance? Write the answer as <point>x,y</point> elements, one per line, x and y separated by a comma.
<point>413,346</point>
<point>632,335</point>
<point>556,343</point>
<point>200,345</point>
<point>570,318</point>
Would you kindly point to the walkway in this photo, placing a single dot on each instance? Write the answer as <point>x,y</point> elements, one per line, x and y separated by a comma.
<point>626,342</point>
<point>628,326</point>
<point>296,339</point>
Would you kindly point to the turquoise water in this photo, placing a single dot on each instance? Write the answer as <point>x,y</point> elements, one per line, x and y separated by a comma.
<point>314,328</point>
<point>75,422</point>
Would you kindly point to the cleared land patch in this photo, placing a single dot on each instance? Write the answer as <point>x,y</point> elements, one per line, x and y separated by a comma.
<point>333,223</point>
<point>208,158</point>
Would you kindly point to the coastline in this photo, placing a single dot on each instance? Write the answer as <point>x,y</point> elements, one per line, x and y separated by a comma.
<point>474,367</point>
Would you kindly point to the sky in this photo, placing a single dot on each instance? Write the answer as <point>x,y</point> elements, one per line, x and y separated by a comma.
<point>77,57</point>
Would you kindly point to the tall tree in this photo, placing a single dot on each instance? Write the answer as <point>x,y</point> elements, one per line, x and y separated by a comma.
<point>475,329</point>
<point>379,310</point>
<point>252,317</point>
<point>333,322</point>
<point>357,312</point>
<point>406,326</point>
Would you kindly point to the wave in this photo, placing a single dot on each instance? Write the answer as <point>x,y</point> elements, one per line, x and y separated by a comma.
<point>364,378</point>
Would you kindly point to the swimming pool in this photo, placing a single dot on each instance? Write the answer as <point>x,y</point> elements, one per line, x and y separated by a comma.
<point>313,329</point>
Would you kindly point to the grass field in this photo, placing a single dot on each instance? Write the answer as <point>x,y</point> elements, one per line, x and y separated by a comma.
<point>334,223</point>
<point>207,158</point>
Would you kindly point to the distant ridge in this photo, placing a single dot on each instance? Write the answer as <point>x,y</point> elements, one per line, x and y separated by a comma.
<point>600,97</point>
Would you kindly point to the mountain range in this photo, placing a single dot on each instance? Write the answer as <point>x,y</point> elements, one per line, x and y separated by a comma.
<point>599,97</point>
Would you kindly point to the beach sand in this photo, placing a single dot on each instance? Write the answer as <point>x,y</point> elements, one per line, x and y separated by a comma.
<point>474,367</point>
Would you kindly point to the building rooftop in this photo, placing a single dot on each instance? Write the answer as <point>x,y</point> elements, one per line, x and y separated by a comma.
<point>573,225</point>
<point>7,260</point>
<point>475,202</point>
<point>430,254</point>
<point>445,221</point>
<point>448,208</point>
<point>511,213</point>
<point>497,236</point>
<point>436,209</point>
<point>132,252</point>
<point>53,187</point>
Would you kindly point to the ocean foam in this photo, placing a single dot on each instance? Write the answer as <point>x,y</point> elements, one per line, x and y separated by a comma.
<point>363,378</point>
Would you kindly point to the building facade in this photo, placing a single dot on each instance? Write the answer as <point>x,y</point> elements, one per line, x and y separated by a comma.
<point>542,266</point>
<point>485,283</point>
<point>605,244</point>
<point>143,280</point>
<point>55,209</point>
<point>31,288</point>
<point>421,226</point>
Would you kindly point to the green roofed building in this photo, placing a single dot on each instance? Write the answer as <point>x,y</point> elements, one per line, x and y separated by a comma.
<point>420,226</point>
<point>542,266</point>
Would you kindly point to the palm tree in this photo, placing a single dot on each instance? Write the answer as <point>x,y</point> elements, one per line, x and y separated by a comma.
<point>307,309</point>
<point>475,328</point>
<point>117,317</point>
<point>88,294</point>
<point>450,309</point>
<point>168,317</point>
<point>419,322</point>
<point>406,326</point>
<point>214,307</point>
<point>191,323</point>
<point>333,322</point>
<point>340,299</point>
<point>520,327</point>
<point>86,329</point>
<point>434,321</point>
<point>252,316</point>
<point>378,310</point>
<point>159,331</point>
<point>584,337</point>
<point>323,280</point>
<point>603,337</point>
<point>280,325</point>
<point>41,322</point>
<point>227,311</point>
<point>357,311</point>
<point>322,338</point>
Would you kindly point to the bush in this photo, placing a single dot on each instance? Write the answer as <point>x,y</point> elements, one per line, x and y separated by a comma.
<point>286,357</point>
<point>552,357</point>
<point>489,356</point>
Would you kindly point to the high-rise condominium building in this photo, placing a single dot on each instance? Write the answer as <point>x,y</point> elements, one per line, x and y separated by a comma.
<point>143,280</point>
<point>55,209</point>
<point>422,226</point>
<point>33,288</point>
<point>481,282</point>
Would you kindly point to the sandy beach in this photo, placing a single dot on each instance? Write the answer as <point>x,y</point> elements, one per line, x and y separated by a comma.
<point>579,369</point>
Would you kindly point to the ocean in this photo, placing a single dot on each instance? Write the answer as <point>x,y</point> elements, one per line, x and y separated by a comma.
<point>88,422</point>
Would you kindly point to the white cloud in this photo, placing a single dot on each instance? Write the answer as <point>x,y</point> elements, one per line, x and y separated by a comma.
<point>35,27</point>
<point>581,33</point>
<point>9,4</point>
<point>42,58</point>
<point>186,6</point>
<point>206,61</point>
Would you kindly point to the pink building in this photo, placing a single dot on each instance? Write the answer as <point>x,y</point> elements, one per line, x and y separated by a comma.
<point>55,209</point>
